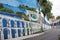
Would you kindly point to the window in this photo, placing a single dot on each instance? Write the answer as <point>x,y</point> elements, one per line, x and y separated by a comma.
<point>18,24</point>
<point>4,21</point>
<point>12,23</point>
<point>13,31</point>
<point>5,32</point>
<point>19,32</point>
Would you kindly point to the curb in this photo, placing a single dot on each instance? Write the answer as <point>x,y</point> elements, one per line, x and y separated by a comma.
<point>29,36</point>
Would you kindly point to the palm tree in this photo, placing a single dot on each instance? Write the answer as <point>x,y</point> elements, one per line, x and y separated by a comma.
<point>50,15</point>
<point>46,5</point>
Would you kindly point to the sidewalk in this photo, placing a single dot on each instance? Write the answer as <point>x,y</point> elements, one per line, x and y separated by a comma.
<point>48,35</point>
<point>35,35</point>
<point>30,36</point>
<point>0,35</point>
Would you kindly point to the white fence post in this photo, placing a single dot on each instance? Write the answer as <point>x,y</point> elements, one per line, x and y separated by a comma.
<point>25,28</point>
<point>0,27</point>
<point>9,29</point>
<point>2,35</point>
<point>29,28</point>
<point>21,29</point>
<point>16,28</point>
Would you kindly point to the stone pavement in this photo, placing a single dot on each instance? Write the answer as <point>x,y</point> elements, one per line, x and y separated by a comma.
<point>48,35</point>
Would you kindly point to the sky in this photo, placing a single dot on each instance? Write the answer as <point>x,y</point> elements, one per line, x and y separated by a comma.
<point>55,7</point>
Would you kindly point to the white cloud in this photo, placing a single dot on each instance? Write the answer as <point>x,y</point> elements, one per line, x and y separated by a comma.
<point>56,7</point>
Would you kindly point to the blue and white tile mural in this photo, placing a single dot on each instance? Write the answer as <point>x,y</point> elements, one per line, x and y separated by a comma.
<point>16,3</point>
<point>12,25</point>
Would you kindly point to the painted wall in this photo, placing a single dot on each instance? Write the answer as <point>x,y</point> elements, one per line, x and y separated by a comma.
<point>16,3</point>
<point>15,9</point>
<point>30,3</point>
<point>13,4</point>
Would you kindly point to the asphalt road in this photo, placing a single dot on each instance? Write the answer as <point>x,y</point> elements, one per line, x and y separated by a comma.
<point>0,35</point>
<point>49,35</point>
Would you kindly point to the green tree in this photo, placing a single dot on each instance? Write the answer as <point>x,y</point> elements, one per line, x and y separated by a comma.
<point>47,6</point>
<point>42,2</point>
<point>49,15</point>
<point>58,17</point>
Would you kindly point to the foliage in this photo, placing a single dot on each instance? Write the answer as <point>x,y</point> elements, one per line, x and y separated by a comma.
<point>47,6</point>
<point>58,17</point>
<point>28,8</point>
<point>42,1</point>
<point>50,15</point>
<point>6,10</point>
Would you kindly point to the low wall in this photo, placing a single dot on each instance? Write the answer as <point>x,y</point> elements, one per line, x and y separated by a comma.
<point>10,31</point>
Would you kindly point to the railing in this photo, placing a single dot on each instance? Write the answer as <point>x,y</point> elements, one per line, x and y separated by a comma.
<point>13,28</point>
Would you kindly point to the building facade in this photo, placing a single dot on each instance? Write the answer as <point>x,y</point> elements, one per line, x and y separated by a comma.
<point>19,18</point>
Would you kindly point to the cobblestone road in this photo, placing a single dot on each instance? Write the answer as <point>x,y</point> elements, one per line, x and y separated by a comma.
<point>49,35</point>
